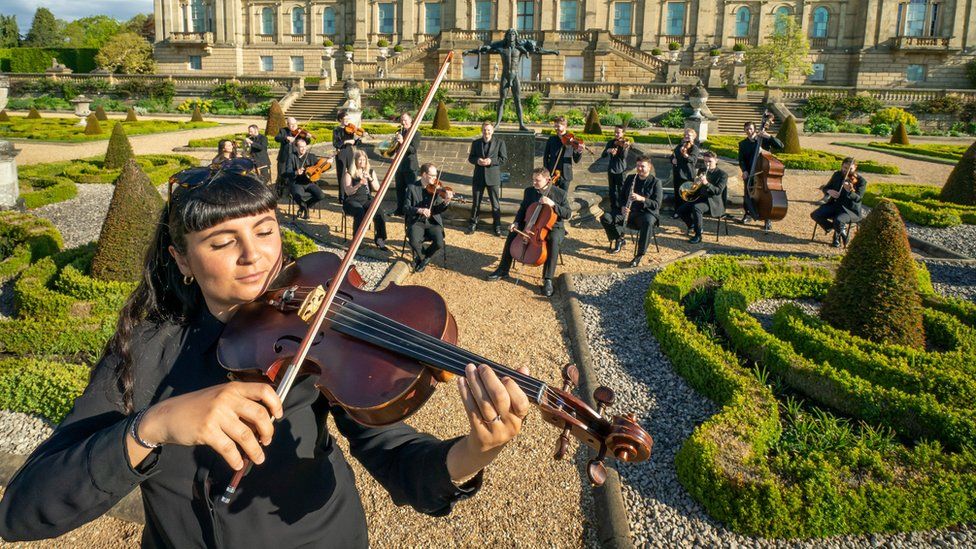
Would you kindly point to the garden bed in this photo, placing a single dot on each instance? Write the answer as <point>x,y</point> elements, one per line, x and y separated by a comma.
<point>809,159</point>
<point>68,130</point>
<point>930,152</point>
<point>920,204</point>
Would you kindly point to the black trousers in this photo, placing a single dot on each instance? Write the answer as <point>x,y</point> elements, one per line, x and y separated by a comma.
<point>421,231</point>
<point>747,203</point>
<point>693,213</point>
<point>343,158</point>
<point>358,212</point>
<point>305,194</point>
<point>832,216</point>
<point>676,183</point>
<point>553,241</point>
<point>614,182</point>
<point>404,177</point>
<point>639,220</point>
<point>496,211</point>
<point>264,174</point>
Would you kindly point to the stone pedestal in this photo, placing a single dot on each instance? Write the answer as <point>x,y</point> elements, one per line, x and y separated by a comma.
<point>9,190</point>
<point>328,73</point>
<point>353,105</point>
<point>673,68</point>
<point>521,157</point>
<point>714,77</point>
<point>698,123</point>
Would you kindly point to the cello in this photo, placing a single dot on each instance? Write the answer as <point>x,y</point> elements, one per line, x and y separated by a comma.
<point>530,246</point>
<point>765,181</point>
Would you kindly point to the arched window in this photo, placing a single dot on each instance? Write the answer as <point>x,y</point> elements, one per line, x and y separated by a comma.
<point>779,19</point>
<point>267,21</point>
<point>298,21</point>
<point>820,18</point>
<point>328,21</point>
<point>742,18</point>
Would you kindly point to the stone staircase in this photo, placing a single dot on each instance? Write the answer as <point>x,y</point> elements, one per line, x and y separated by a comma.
<point>416,53</point>
<point>732,114</point>
<point>640,58</point>
<point>317,104</point>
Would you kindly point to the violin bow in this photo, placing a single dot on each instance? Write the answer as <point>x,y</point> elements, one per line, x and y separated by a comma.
<point>291,371</point>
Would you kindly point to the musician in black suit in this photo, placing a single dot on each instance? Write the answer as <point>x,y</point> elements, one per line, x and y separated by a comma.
<point>710,198</point>
<point>409,168</point>
<point>845,191</point>
<point>286,137</point>
<point>616,149</point>
<point>684,158</point>
<point>257,145</point>
<point>747,152</point>
<point>558,200</point>
<point>345,147</point>
<point>644,193</point>
<point>423,217</point>
<point>303,191</point>
<point>488,155</point>
<point>559,157</point>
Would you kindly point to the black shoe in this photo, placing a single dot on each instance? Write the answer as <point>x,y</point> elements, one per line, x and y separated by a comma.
<point>843,238</point>
<point>767,226</point>
<point>695,239</point>
<point>381,244</point>
<point>636,261</point>
<point>498,275</point>
<point>688,231</point>
<point>746,219</point>
<point>471,228</point>
<point>499,231</point>
<point>422,265</point>
<point>836,242</point>
<point>547,287</point>
<point>617,246</point>
<point>303,212</point>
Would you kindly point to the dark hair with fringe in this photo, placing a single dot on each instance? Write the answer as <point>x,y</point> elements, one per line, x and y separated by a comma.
<point>161,296</point>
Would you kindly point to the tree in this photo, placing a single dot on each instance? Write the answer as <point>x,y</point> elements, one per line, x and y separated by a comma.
<point>92,127</point>
<point>9,32</point>
<point>787,51</point>
<point>32,114</point>
<point>789,135</point>
<point>143,25</point>
<point>119,149</point>
<point>45,31</point>
<point>276,119</point>
<point>100,114</point>
<point>441,121</point>
<point>91,32</point>
<point>593,122</point>
<point>900,135</point>
<point>4,117</point>
<point>197,116</point>
<point>127,53</point>
<point>130,115</point>
<point>960,188</point>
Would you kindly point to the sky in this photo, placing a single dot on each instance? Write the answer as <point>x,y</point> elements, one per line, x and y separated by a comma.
<point>69,10</point>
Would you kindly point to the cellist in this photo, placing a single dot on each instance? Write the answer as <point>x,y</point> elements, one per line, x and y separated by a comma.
<point>553,196</point>
<point>747,152</point>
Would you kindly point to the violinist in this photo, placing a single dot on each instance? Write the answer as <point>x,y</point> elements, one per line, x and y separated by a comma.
<point>558,156</point>
<point>226,150</point>
<point>257,145</point>
<point>556,198</point>
<point>286,137</point>
<point>710,198</point>
<point>644,193</point>
<point>303,191</point>
<point>409,168</point>
<point>488,155</point>
<point>616,149</point>
<point>684,158</point>
<point>345,147</point>
<point>747,151</point>
<point>358,183</point>
<point>159,412</point>
<point>423,216</point>
<point>844,191</point>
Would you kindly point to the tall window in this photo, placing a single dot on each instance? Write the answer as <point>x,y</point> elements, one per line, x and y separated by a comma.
<point>267,63</point>
<point>568,14</point>
<point>742,18</point>
<point>328,21</point>
<point>298,21</point>
<point>267,21</point>
<point>780,18</point>
<point>573,69</point>
<point>914,18</point>
<point>820,19</point>
<point>432,19</point>
<point>297,64</point>
<point>482,15</point>
<point>915,73</point>
<point>470,69</point>
<point>525,15</point>
<point>676,19</point>
<point>525,68</point>
<point>198,16</point>
<point>623,14</point>
<point>386,18</point>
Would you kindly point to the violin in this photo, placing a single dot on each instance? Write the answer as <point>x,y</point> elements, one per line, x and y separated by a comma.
<point>568,139</point>
<point>352,129</point>
<point>623,143</point>
<point>302,133</point>
<point>531,248</point>
<point>439,190</point>
<point>315,171</point>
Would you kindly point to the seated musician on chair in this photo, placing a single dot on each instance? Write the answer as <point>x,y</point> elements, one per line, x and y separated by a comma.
<point>423,216</point>
<point>557,199</point>
<point>303,191</point>
<point>709,198</point>
<point>640,198</point>
<point>257,145</point>
<point>844,191</point>
<point>358,184</point>
<point>226,150</point>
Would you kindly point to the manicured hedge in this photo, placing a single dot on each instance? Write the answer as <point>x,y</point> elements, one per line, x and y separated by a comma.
<point>809,159</point>
<point>36,60</point>
<point>920,204</point>
<point>40,387</point>
<point>68,130</point>
<point>296,245</point>
<point>25,238</point>
<point>935,150</point>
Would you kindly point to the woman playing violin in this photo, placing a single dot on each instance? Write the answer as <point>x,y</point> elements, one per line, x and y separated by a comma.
<point>345,147</point>
<point>358,184</point>
<point>226,150</point>
<point>159,412</point>
<point>844,191</point>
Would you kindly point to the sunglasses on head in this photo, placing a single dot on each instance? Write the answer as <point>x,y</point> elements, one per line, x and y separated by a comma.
<point>192,178</point>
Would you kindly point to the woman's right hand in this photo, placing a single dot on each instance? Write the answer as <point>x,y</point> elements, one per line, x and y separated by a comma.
<point>229,418</point>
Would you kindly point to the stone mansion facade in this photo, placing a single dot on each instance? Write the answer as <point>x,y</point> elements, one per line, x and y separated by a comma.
<point>863,43</point>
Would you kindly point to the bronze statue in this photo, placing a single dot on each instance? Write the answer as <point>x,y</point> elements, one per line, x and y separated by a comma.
<point>511,50</point>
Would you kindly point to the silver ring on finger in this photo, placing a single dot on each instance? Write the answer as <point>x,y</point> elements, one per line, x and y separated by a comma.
<point>489,422</point>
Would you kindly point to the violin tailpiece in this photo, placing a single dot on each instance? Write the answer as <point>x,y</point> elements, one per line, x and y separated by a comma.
<point>311,304</point>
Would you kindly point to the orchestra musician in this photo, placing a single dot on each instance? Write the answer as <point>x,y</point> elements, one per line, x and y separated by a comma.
<point>747,152</point>
<point>558,200</point>
<point>407,173</point>
<point>423,216</point>
<point>286,137</point>
<point>844,191</point>
<point>488,155</point>
<point>644,193</point>
<point>358,183</point>
<point>710,197</point>
<point>257,145</point>
<point>616,149</point>
<point>345,145</point>
<point>304,192</point>
<point>226,150</point>
<point>559,157</point>
<point>684,158</point>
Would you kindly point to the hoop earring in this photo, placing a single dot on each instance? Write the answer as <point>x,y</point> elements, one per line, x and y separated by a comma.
<point>187,280</point>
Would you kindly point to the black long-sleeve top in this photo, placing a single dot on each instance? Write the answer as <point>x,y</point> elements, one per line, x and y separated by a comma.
<point>418,198</point>
<point>618,161</point>
<point>684,169</point>
<point>747,150</point>
<point>303,495</point>
<point>532,195</point>
<point>559,157</point>
<point>497,152</point>
<point>339,138</point>
<point>714,192</point>
<point>410,161</point>
<point>287,147</point>
<point>296,161</point>
<point>849,200</point>
<point>651,189</point>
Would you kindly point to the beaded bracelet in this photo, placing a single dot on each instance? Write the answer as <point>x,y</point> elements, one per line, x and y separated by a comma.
<point>134,432</point>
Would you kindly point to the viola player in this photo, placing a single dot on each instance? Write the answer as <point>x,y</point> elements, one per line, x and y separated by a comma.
<point>423,217</point>
<point>557,156</point>
<point>844,193</point>
<point>345,146</point>
<point>286,138</point>
<point>616,150</point>
<point>304,192</point>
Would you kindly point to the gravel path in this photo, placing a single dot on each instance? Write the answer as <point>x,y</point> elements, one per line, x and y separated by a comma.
<point>627,358</point>
<point>960,239</point>
<point>79,219</point>
<point>764,309</point>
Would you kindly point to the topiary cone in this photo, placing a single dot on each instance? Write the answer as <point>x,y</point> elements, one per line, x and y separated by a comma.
<point>100,114</point>
<point>276,119</point>
<point>441,121</point>
<point>960,188</point>
<point>92,127</point>
<point>33,114</point>
<point>900,135</point>
<point>789,135</point>
<point>197,115</point>
<point>119,149</point>
<point>130,115</point>
<point>593,122</point>
<point>128,227</point>
<point>875,294</point>
<point>4,117</point>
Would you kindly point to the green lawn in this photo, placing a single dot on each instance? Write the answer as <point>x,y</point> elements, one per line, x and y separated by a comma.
<point>67,130</point>
<point>936,150</point>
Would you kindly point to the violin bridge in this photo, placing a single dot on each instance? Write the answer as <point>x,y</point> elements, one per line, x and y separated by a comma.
<point>311,304</point>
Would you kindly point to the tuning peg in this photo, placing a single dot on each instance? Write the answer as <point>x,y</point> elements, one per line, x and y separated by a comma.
<point>570,377</point>
<point>562,444</point>
<point>596,470</point>
<point>604,397</point>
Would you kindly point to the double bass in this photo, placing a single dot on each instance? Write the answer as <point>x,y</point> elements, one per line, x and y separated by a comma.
<point>765,182</point>
<point>529,247</point>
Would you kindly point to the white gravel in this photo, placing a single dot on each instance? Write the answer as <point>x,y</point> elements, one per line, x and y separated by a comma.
<point>79,219</point>
<point>21,433</point>
<point>960,239</point>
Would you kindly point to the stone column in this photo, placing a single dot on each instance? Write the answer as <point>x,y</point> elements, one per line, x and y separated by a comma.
<point>159,19</point>
<point>841,40</point>
<point>870,23</point>
<point>760,31</point>
<point>406,17</point>
<point>9,189</point>
<point>360,36</point>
